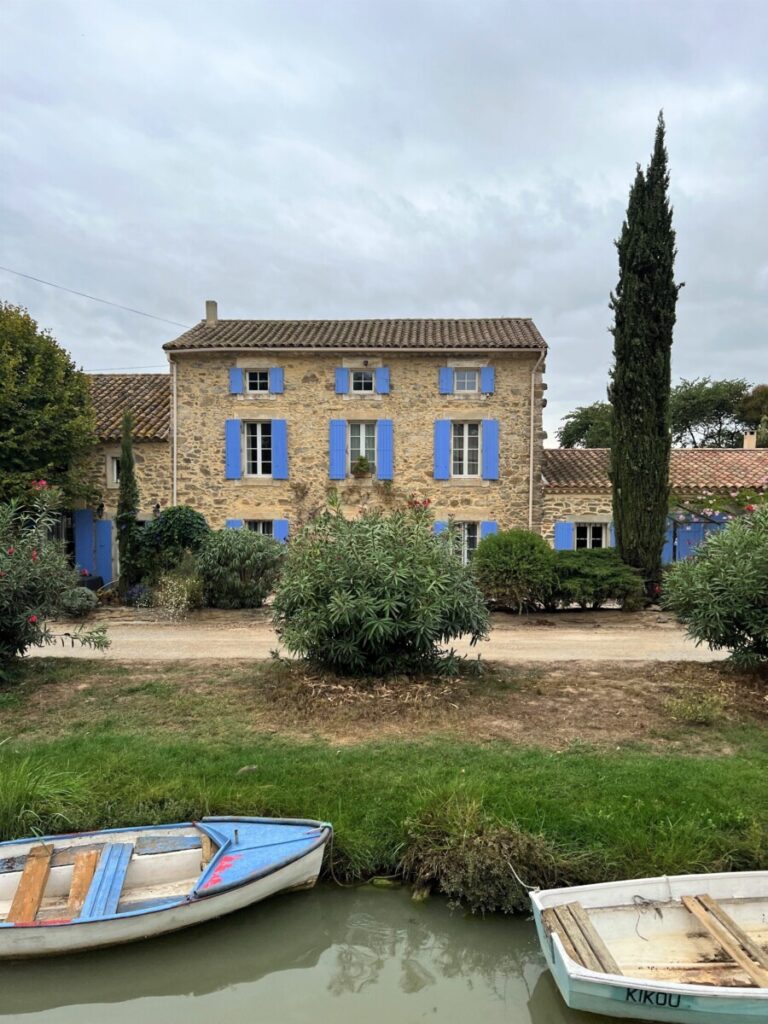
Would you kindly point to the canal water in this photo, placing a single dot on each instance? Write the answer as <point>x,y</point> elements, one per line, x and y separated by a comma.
<point>350,956</point>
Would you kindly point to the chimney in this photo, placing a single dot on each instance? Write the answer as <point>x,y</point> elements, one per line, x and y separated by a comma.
<point>211,313</point>
<point>750,439</point>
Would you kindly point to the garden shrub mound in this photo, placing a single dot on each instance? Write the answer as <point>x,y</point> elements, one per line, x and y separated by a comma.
<point>721,594</point>
<point>515,569</point>
<point>238,568</point>
<point>590,578</point>
<point>375,595</point>
<point>165,541</point>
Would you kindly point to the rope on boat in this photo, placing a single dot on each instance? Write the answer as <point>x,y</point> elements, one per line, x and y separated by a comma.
<point>520,882</point>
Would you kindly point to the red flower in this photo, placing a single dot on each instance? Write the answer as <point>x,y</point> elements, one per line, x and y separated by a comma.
<point>750,508</point>
<point>11,550</point>
<point>39,485</point>
<point>84,572</point>
<point>34,554</point>
<point>32,619</point>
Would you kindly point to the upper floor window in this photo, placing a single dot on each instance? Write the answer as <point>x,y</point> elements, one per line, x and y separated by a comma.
<point>257,381</point>
<point>258,448</point>
<point>466,381</point>
<point>591,535</point>
<point>362,381</point>
<point>113,475</point>
<point>465,449</point>
<point>262,526</point>
<point>362,445</point>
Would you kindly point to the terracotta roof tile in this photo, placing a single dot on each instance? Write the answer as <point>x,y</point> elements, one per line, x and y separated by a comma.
<point>147,395</point>
<point>691,469</point>
<point>499,333</point>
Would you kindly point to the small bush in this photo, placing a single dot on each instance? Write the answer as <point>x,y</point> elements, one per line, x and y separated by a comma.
<point>78,602</point>
<point>177,594</point>
<point>721,593</point>
<point>165,541</point>
<point>696,708</point>
<point>375,595</point>
<point>515,569</point>
<point>138,596</point>
<point>589,578</point>
<point>238,568</point>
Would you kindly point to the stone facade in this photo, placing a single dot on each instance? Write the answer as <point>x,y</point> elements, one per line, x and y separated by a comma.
<point>153,475</point>
<point>310,401</point>
<point>573,507</point>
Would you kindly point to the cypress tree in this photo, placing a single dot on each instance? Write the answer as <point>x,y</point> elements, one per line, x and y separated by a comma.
<point>127,508</point>
<point>644,317</point>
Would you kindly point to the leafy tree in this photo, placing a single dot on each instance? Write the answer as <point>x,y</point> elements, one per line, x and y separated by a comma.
<point>754,412</point>
<point>644,317</point>
<point>707,413</point>
<point>588,426</point>
<point>128,540</point>
<point>46,420</point>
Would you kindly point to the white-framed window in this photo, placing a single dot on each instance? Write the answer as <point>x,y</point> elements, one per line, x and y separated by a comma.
<point>113,471</point>
<point>262,526</point>
<point>591,535</point>
<point>258,448</point>
<point>467,535</point>
<point>362,382</point>
<point>257,381</point>
<point>465,449</point>
<point>466,381</point>
<point>362,443</point>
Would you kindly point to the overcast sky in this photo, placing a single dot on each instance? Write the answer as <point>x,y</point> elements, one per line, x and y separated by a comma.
<point>367,158</point>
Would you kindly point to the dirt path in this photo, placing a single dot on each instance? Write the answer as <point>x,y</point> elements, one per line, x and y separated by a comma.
<point>570,636</point>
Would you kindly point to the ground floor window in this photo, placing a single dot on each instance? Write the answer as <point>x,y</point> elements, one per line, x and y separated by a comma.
<point>113,477</point>
<point>591,535</point>
<point>262,526</point>
<point>466,540</point>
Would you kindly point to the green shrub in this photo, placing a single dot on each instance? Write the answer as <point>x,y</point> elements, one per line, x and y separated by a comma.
<point>515,569</point>
<point>238,568</point>
<point>77,603</point>
<point>721,593</point>
<point>180,591</point>
<point>378,594</point>
<point>590,577</point>
<point>165,540</point>
<point>35,798</point>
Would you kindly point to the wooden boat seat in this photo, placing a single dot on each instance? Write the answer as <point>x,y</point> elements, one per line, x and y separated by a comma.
<point>29,891</point>
<point>730,937</point>
<point>108,879</point>
<point>579,937</point>
<point>82,876</point>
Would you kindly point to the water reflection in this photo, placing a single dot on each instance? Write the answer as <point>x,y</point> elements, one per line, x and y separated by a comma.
<point>362,955</point>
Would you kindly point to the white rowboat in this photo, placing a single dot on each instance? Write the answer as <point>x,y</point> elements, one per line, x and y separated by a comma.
<point>688,948</point>
<point>61,894</point>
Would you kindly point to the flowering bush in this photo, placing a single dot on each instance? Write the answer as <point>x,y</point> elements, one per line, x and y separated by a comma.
<point>36,578</point>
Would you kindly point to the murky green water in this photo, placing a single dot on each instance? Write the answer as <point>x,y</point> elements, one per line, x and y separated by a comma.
<point>357,955</point>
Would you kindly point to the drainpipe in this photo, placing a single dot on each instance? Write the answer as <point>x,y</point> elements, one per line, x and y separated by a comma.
<point>174,417</point>
<point>532,449</point>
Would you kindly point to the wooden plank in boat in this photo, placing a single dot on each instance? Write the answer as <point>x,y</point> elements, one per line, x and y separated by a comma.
<point>568,925</point>
<point>552,924</point>
<point>165,844</point>
<point>82,876</point>
<point>61,857</point>
<point>725,919</point>
<point>29,892</point>
<point>726,940</point>
<point>598,947</point>
<point>208,849</point>
<point>104,893</point>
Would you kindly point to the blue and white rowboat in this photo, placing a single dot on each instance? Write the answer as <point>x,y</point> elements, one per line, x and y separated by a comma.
<point>688,948</point>
<point>61,894</point>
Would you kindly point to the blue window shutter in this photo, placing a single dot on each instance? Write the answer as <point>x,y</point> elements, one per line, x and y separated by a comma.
<point>279,450</point>
<point>564,537</point>
<point>440,525</point>
<point>83,528</point>
<point>342,381</point>
<point>611,535</point>
<point>384,450</point>
<point>235,381</point>
<point>487,380</point>
<point>668,551</point>
<point>487,528</point>
<point>276,380</point>
<point>234,524</point>
<point>104,549</point>
<point>381,375</point>
<point>232,462</point>
<point>442,450</point>
<point>280,530</point>
<point>490,449</point>
<point>338,449</point>
<point>445,380</point>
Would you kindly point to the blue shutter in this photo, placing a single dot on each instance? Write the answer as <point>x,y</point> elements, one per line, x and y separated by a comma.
<point>668,551</point>
<point>381,380</point>
<point>276,380</point>
<point>442,450</point>
<point>235,381</point>
<point>232,461</point>
<point>487,528</point>
<point>83,528</point>
<point>487,380</point>
<point>384,450</point>
<point>490,449</point>
<point>611,535</point>
<point>445,380</point>
<point>440,525</point>
<point>564,537</point>
<point>234,524</point>
<point>338,449</point>
<point>279,450</point>
<point>342,381</point>
<point>280,530</point>
<point>104,549</point>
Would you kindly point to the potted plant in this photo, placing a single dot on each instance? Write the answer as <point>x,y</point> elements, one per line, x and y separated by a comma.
<point>361,467</point>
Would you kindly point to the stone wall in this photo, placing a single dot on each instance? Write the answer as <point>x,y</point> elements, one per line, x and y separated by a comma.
<point>153,475</point>
<point>309,402</point>
<point>582,507</point>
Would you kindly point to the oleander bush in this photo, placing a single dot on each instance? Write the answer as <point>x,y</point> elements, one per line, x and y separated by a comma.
<point>721,593</point>
<point>515,569</point>
<point>592,577</point>
<point>238,568</point>
<point>376,595</point>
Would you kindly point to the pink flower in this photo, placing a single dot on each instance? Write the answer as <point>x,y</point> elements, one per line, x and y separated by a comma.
<point>34,554</point>
<point>32,619</point>
<point>39,485</point>
<point>84,572</point>
<point>11,550</point>
<point>750,508</point>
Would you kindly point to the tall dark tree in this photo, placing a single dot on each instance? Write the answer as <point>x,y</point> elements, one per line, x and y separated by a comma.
<point>127,508</point>
<point>644,317</point>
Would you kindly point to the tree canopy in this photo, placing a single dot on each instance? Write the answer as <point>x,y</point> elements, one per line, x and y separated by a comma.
<point>588,426</point>
<point>46,418</point>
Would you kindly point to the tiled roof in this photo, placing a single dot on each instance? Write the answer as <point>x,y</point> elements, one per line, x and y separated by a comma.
<point>690,469</point>
<point>500,333</point>
<point>147,395</point>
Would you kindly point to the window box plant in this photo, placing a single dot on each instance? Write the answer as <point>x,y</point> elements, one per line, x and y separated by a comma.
<point>361,467</point>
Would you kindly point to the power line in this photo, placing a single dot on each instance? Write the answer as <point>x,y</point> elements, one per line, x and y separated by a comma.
<point>94,298</point>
